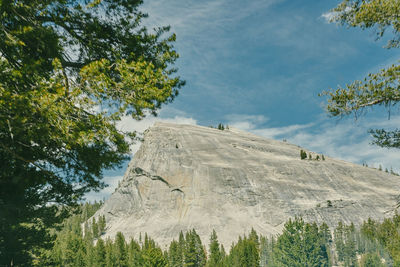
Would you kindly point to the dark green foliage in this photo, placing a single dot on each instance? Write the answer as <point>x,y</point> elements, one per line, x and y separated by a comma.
<point>220,127</point>
<point>153,257</point>
<point>194,253</point>
<point>120,250</point>
<point>301,244</point>
<point>244,253</point>
<point>95,228</point>
<point>175,254</point>
<point>322,157</point>
<point>371,260</point>
<point>303,154</point>
<point>215,258</point>
<point>99,254</point>
<point>62,63</point>
<point>266,251</point>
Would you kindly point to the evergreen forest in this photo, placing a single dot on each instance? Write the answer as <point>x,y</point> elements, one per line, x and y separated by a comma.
<point>79,242</point>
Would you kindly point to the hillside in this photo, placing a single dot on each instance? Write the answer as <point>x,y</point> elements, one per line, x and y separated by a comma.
<point>186,176</point>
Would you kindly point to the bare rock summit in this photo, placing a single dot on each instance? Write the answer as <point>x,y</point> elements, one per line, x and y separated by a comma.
<point>186,177</point>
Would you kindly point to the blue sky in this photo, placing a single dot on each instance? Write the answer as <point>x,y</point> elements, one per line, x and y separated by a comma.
<point>259,66</point>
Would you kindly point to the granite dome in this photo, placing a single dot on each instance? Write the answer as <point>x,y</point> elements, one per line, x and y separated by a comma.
<point>186,177</point>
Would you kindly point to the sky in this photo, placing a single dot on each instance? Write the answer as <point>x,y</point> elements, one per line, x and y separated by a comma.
<point>259,66</point>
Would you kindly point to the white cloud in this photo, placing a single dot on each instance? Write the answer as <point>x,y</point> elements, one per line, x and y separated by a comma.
<point>346,139</point>
<point>281,131</point>
<point>245,122</point>
<point>332,16</point>
<point>329,16</point>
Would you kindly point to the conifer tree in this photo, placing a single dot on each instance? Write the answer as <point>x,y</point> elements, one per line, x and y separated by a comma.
<point>339,242</point>
<point>135,258</point>
<point>190,250</point>
<point>120,250</point>
<point>244,253</point>
<point>110,255</point>
<point>95,228</point>
<point>59,61</point>
<point>175,255</point>
<point>215,258</point>
<point>201,256</point>
<point>194,253</point>
<point>90,253</point>
<point>153,257</point>
<point>100,254</point>
<point>102,224</point>
<point>300,245</point>
<point>371,260</point>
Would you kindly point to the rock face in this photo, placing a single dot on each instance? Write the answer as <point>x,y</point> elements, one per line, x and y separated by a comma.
<point>186,177</point>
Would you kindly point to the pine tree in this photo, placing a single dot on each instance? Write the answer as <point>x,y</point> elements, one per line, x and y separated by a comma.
<point>120,250</point>
<point>110,256</point>
<point>90,253</point>
<point>244,253</point>
<point>339,241</point>
<point>215,258</point>
<point>153,257</point>
<point>102,225</point>
<point>135,258</point>
<point>95,228</point>
<point>201,255</point>
<point>300,245</point>
<point>175,255</point>
<point>100,254</point>
<point>191,257</point>
<point>303,154</point>
<point>265,252</point>
<point>371,260</point>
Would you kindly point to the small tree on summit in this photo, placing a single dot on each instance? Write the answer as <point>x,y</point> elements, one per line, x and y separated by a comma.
<point>303,154</point>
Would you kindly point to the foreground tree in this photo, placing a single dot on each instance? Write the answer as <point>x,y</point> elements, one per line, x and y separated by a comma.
<point>69,71</point>
<point>377,89</point>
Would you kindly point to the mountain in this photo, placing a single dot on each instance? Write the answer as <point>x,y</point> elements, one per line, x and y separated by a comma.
<point>186,177</point>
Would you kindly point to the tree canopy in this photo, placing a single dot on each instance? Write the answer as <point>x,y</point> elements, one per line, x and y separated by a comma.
<point>69,71</point>
<point>377,89</point>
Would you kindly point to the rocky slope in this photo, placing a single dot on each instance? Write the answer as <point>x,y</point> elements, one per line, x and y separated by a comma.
<point>187,177</point>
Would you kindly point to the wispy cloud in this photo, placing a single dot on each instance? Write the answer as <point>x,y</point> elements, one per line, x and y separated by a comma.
<point>347,139</point>
<point>350,141</point>
<point>282,131</point>
<point>331,16</point>
<point>245,122</point>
